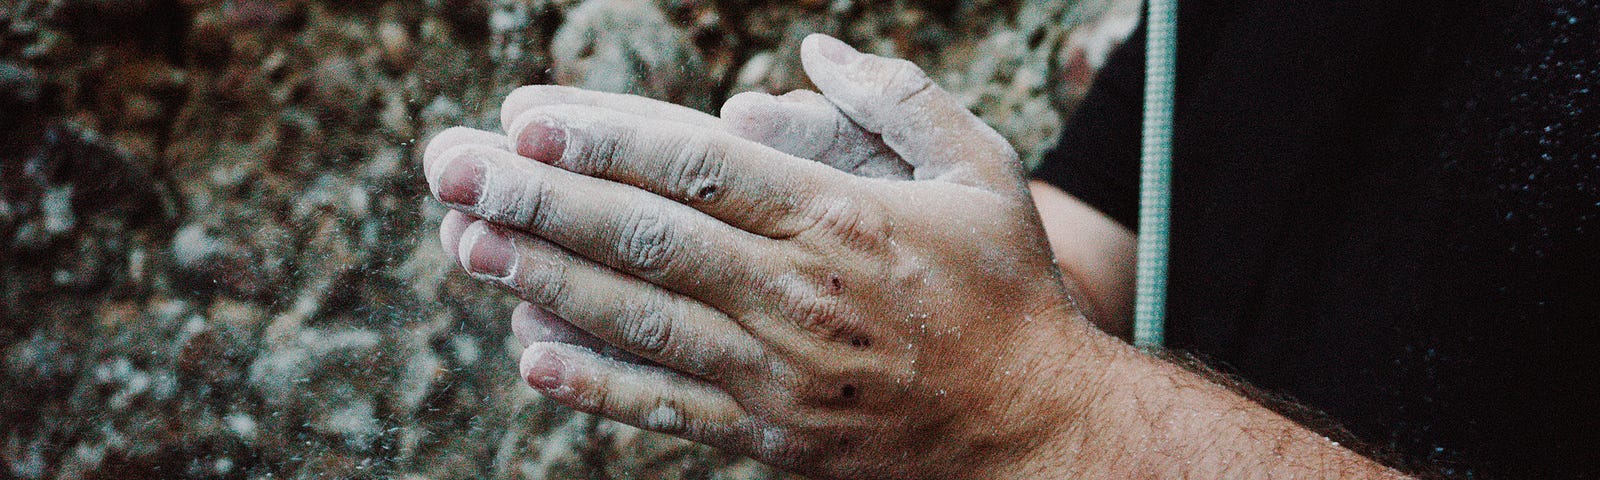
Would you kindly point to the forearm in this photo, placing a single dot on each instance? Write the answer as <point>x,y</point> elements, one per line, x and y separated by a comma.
<point>1145,417</point>
<point>1096,256</point>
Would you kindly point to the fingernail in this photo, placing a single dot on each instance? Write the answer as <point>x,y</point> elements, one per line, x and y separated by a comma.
<point>492,255</point>
<point>545,372</point>
<point>542,140</point>
<point>836,51</point>
<point>462,181</point>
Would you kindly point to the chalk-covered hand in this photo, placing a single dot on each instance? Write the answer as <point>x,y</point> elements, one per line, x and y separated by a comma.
<point>842,326</point>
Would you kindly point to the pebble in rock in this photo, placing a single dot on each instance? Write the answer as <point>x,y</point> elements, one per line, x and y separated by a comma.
<point>628,46</point>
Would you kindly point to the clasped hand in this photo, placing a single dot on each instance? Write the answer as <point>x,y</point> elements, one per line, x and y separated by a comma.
<point>851,284</point>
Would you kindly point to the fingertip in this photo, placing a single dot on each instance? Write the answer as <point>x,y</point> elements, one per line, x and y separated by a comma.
<point>450,230</point>
<point>488,253</point>
<point>525,327</point>
<point>862,83</point>
<point>745,106</point>
<point>435,153</point>
<point>533,324</point>
<point>764,108</point>
<point>540,137</point>
<point>794,123</point>
<point>469,237</point>
<point>460,179</point>
<point>826,59</point>
<point>543,367</point>
<point>530,96</point>
<point>898,101</point>
<point>833,49</point>
<point>811,59</point>
<point>821,46</point>
<point>753,116</point>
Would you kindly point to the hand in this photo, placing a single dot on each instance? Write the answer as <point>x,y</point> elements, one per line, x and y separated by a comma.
<point>816,320</point>
<point>791,123</point>
<point>1094,253</point>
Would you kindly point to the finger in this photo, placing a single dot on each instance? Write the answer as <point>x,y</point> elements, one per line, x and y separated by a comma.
<point>450,232</point>
<point>455,222</point>
<point>647,397</point>
<point>805,124</point>
<point>533,96</point>
<point>926,125</point>
<point>532,324</point>
<point>620,226</point>
<point>619,309</point>
<point>745,184</point>
<point>454,137</point>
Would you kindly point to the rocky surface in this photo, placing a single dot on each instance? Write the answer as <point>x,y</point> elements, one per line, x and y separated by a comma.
<point>217,258</point>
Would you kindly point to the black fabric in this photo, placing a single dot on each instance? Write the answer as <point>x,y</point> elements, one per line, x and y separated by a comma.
<point>1389,211</point>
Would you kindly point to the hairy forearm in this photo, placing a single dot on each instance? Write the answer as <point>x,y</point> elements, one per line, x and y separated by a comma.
<point>1143,417</point>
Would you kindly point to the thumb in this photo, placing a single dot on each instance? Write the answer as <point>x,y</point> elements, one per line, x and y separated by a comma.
<point>805,124</point>
<point>923,123</point>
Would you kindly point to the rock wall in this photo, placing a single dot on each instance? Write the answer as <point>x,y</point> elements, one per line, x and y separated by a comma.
<point>217,258</point>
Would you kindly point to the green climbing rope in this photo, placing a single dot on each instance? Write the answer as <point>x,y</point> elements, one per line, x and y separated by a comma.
<point>1155,185</point>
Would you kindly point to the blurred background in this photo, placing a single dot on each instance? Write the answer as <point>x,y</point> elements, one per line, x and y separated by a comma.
<point>218,259</point>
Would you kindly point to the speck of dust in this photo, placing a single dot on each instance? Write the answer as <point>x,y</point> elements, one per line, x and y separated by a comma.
<point>663,417</point>
<point>772,439</point>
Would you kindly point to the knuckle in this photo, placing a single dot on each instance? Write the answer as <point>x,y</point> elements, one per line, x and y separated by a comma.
<point>666,416</point>
<point>836,383</point>
<point>856,222</point>
<point>527,207</point>
<point>592,394</point>
<point>998,146</point>
<point>698,168</point>
<point>823,317</point>
<point>783,447</point>
<point>842,218</point>
<point>786,382</point>
<point>905,71</point>
<point>907,81</point>
<point>597,148</point>
<point>648,328</point>
<point>647,243</point>
<point>1007,153</point>
<point>545,285</point>
<point>830,386</point>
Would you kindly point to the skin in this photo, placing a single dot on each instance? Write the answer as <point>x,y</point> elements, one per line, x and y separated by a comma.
<point>850,317</point>
<point>1094,252</point>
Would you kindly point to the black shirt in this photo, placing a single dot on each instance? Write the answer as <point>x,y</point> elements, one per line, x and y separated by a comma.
<point>1387,210</point>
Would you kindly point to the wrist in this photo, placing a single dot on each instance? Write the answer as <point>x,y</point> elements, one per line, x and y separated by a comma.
<point>1094,407</point>
<point>1060,369</point>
